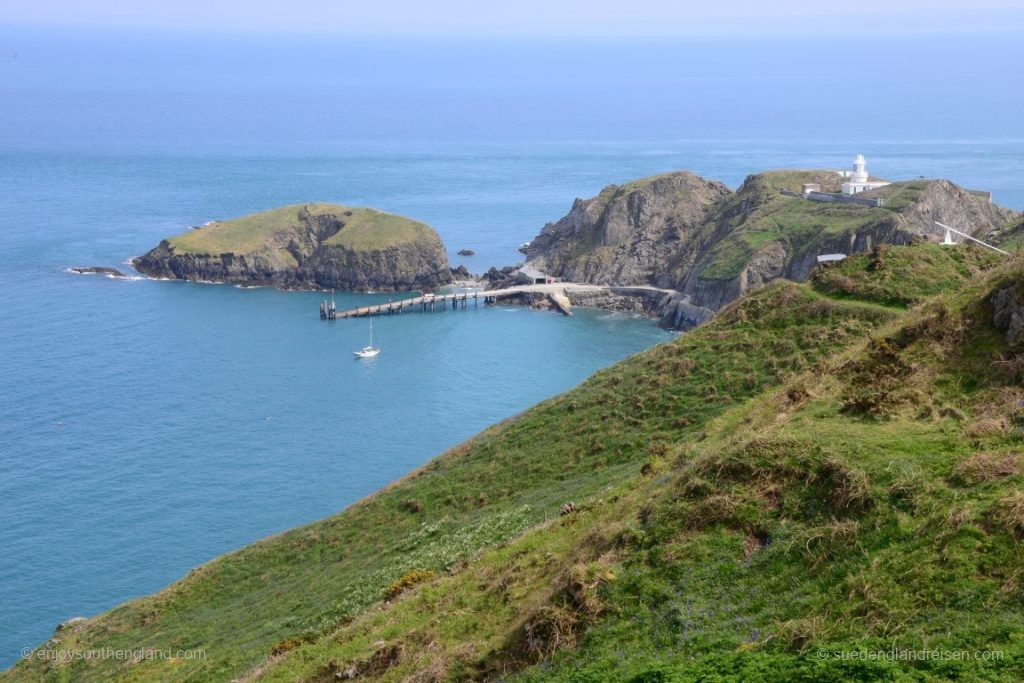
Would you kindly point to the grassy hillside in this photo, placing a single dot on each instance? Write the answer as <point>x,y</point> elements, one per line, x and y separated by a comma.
<point>364,230</point>
<point>869,503</point>
<point>899,277</point>
<point>761,212</point>
<point>765,211</point>
<point>372,230</point>
<point>874,506</point>
<point>817,467</point>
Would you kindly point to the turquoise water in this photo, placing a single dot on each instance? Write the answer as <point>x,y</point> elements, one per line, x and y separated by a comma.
<point>146,427</point>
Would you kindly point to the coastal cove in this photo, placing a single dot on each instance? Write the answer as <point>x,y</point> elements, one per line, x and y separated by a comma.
<point>149,426</point>
<point>112,382</point>
<point>292,428</point>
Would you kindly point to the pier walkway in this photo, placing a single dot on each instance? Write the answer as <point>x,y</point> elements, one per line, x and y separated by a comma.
<point>431,302</point>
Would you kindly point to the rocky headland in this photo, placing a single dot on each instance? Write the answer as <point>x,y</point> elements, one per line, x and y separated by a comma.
<point>710,245</point>
<point>675,246</point>
<point>307,246</point>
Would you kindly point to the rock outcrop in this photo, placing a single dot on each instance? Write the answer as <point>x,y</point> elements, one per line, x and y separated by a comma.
<point>98,270</point>
<point>311,246</point>
<point>1008,314</point>
<point>712,245</point>
<point>620,236</point>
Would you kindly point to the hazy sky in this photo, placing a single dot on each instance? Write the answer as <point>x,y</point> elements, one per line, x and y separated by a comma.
<point>532,17</point>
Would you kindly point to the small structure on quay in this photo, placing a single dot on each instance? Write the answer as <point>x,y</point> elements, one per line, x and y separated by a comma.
<point>530,275</point>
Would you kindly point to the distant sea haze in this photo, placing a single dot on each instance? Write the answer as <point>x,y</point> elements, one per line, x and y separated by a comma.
<point>146,427</point>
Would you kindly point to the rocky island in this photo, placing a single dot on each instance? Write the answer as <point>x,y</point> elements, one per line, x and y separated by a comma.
<point>307,246</point>
<point>710,244</point>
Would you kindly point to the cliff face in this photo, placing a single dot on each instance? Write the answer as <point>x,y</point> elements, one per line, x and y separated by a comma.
<point>681,232</point>
<point>627,234</point>
<point>313,246</point>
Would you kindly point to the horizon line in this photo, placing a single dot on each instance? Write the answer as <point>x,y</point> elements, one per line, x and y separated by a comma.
<point>718,32</point>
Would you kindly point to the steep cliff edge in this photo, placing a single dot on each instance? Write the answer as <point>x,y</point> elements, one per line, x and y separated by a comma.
<point>307,246</point>
<point>682,232</point>
<point>627,234</point>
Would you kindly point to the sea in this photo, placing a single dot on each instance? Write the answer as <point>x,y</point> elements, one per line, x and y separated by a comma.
<point>149,426</point>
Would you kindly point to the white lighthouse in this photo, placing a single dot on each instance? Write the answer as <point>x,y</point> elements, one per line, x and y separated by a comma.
<point>859,180</point>
<point>860,170</point>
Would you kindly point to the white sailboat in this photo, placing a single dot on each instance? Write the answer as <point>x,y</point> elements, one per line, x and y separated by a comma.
<point>370,350</point>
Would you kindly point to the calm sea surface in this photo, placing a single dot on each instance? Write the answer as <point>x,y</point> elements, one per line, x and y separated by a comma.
<point>146,427</point>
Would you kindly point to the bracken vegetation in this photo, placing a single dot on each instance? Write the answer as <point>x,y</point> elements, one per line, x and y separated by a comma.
<point>824,468</point>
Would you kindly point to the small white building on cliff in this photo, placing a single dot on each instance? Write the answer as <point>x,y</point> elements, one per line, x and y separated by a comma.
<point>858,180</point>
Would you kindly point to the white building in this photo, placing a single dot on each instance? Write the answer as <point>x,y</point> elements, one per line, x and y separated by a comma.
<point>859,180</point>
<point>831,258</point>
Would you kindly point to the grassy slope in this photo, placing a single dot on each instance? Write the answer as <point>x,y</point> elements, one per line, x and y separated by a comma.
<point>875,506</point>
<point>370,230</point>
<point>901,281</point>
<point>365,230</point>
<point>871,502</point>
<point>796,222</point>
<point>484,492</point>
<point>793,220</point>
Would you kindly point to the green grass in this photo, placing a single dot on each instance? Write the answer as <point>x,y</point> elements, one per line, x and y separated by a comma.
<point>372,230</point>
<point>812,468</point>
<point>793,529</point>
<point>733,254</point>
<point>568,448</point>
<point>798,223</point>
<point>901,195</point>
<point>363,230</point>
<point>903,277</point>
<point>759,212</point>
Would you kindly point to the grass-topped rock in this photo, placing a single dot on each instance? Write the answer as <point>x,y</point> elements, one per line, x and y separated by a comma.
<point>307,246</point>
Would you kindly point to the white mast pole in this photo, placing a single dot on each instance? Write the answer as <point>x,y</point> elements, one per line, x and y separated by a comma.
<point>974,239</point>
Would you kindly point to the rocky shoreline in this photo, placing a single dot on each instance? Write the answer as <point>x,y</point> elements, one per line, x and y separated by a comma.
<point>671,309</point>
<point>675,247</point>
<point>97,270</point>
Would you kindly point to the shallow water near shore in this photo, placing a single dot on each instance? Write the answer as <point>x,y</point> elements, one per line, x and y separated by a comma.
<point>151,426</point>
<point>147,426</point>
